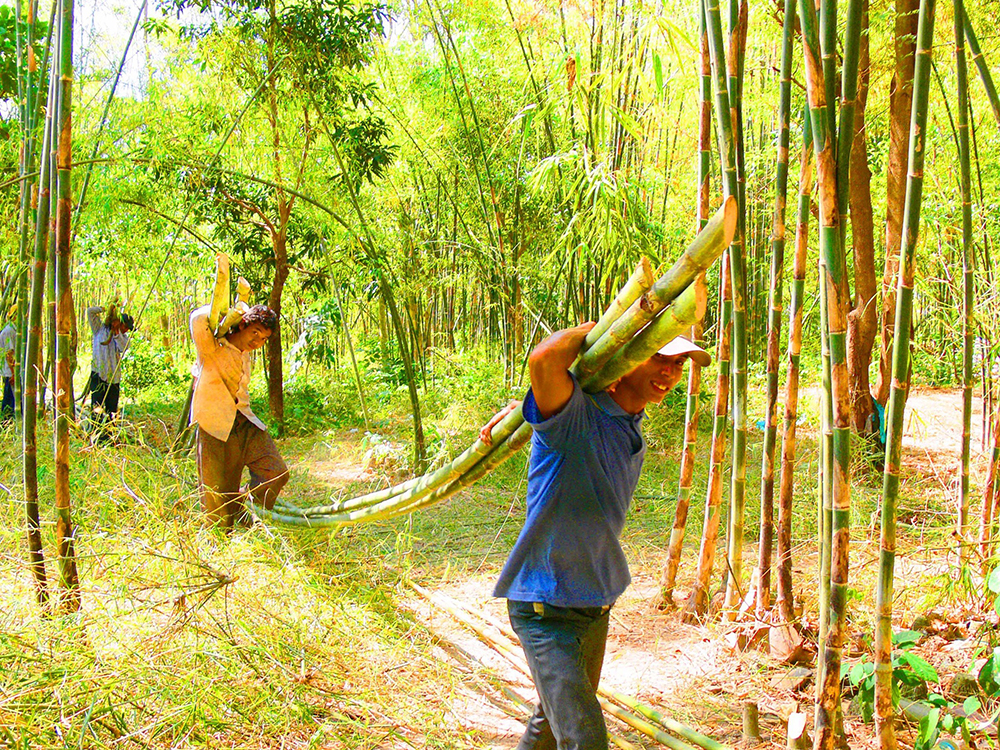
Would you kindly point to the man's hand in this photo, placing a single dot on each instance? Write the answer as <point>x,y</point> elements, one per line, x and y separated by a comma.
<point>485,434</point>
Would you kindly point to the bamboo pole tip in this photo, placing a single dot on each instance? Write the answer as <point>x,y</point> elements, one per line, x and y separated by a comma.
<point>700,292</point>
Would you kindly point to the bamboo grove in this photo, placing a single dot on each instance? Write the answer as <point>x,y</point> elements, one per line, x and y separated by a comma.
<point>503,222</point>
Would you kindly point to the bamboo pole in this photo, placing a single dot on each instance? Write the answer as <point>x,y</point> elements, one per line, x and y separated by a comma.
<point>884,710</point>
<point>64,316</point>
<point>785,600</point>
<point>29,412</point>
<point>676,543</point>
<point>984,70</point>
<point>836,452</point>
<point>968,280</point>
<point>774,315</point>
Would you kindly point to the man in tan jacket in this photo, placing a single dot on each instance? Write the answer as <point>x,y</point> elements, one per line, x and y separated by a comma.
<point>230,436</point>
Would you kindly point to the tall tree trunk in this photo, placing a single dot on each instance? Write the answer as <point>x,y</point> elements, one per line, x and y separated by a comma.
<point>900,104</point>
<point>275,375</point>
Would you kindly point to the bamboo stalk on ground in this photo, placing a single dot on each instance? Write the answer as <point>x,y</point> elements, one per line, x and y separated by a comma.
<point>884,711</point>
<point>64,316</point>
<point>785,598</point>
<point>676,544</point>
<point>504,645</point>
<point>968,280</point>
<point>774,316</point>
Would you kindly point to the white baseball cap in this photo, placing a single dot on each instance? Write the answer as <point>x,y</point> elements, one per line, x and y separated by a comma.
<point>681,345</point>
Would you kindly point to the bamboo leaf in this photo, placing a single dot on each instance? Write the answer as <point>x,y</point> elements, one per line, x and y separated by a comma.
<point>658,72</point>
<point>993,582</point>
<point>628,122</point>
<point>971,704</point>
<point>905,638</point>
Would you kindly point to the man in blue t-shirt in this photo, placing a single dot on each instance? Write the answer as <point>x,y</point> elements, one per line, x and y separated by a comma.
<point>567,567</point>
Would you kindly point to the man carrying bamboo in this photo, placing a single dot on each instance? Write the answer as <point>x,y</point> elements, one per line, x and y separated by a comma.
<point>567,568</point>
<point>230,436</point>
<point>110,340</point>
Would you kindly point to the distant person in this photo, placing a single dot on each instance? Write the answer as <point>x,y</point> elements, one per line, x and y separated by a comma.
<point>110,340</point>
<point>230,436</point>
<point>8,342</point>
<point>567,567</point>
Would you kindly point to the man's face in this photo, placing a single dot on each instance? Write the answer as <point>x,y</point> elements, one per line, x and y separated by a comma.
<point>651,380</point>
<point>254,336</point>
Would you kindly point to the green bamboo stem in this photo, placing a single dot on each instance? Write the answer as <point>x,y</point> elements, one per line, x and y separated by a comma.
<point>697,257</point>
<point>691,412</point>
<point>836,452</point>
<point>785,600</point>
<point>728,154</point>
<point>990,498</point>
<point>968,280</point>
<point>698,602</point>
<point>884,710</point>
<point>29,442</point>
<point>774,315</point>
<point>984,70</point>
<point>677,318</point>
<point>64,317</point>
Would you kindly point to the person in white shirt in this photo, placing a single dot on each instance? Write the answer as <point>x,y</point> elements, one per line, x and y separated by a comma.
<point>8,340</point>
<point>110,340</point>
<point>230,436</point>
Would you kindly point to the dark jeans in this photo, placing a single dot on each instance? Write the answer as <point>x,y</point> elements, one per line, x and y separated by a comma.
<point>565,651</point>
<point>7,410</point>
<point>104,395</point>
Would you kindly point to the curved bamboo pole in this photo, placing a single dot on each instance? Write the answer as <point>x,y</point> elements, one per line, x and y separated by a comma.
<point>884,712</point>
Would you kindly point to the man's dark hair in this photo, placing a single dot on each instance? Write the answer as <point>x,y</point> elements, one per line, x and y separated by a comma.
<point>128,322</point>
<point>260,314</point>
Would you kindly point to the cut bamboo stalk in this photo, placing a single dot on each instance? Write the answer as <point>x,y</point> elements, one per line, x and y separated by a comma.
<point>884,709</point>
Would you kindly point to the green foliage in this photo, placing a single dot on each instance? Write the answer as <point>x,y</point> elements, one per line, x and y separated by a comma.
<point>146,365</point>
<point>907,669</point>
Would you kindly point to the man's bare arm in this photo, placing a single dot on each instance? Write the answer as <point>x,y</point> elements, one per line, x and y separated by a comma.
<point>548,365</point>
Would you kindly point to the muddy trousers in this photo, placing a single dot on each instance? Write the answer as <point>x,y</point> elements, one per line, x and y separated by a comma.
<point>564,647</point>
<point>220,470</point>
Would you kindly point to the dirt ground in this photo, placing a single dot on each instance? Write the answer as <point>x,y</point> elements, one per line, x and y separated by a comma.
<point>690,673</point>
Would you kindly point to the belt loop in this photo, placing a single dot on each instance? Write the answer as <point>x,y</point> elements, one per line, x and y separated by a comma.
<point>539,608</point>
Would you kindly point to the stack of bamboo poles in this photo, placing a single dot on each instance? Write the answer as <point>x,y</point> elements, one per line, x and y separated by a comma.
<point>643,317</point>
<point>643,719</point>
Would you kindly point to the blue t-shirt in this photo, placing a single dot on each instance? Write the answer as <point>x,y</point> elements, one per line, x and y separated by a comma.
<point>584,467</point>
